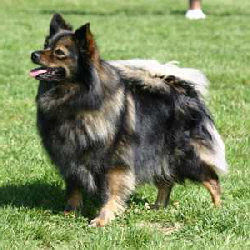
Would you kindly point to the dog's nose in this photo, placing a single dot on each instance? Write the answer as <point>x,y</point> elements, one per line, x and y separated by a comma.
<point>35,56</point>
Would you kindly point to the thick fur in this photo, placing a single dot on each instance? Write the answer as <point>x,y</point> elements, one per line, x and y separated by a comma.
<point>153,68</point>
<point>108,128</point>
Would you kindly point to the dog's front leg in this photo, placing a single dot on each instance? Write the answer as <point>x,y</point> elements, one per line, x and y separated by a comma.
<point>120,184</point>
<point>73,195</point>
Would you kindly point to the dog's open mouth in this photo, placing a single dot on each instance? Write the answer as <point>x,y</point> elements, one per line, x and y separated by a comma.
<point>48,73</point>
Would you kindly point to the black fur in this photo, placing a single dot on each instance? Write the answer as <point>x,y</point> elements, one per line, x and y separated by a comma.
<point>165,124</point>
<point>156,147</point>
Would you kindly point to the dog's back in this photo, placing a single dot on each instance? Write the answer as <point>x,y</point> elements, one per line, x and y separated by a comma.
<point>174,127</point>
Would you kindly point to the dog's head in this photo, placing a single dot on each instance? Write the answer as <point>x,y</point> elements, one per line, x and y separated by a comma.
<point>64,51</point>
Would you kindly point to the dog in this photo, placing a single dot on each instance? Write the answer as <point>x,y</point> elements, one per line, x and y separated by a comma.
<point>108,126</point>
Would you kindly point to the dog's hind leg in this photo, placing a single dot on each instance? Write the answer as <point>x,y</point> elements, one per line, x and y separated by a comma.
<point>73,195</point>
<point>120,184</point>
<point>163,195</point>
<point>212,184</point>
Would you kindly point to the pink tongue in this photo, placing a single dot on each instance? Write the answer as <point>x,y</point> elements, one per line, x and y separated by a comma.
<point>35,73</point>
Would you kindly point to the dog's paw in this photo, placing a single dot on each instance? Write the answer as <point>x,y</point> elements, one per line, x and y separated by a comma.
<point>70,210</point>
<point>104,218</point>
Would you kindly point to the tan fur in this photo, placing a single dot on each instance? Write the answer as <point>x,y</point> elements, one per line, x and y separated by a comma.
<point>99,124</point>
<point>213,186</point>
<point>210,183</point>
<point>50,59</point>
<point>124,151</point>
<point>121,182</point>
<point>74,201</point>
<point>65,42</point>
<point>92,48</point>
<point>204,152</point>
<point>130,114</point>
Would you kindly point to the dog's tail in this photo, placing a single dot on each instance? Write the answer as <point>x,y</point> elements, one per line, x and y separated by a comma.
<point>195,77</point>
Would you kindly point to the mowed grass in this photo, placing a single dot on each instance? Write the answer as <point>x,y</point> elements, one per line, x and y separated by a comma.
<point>31,191</point>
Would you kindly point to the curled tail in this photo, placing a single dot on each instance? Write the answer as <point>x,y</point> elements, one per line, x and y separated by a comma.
<point>156,70</point>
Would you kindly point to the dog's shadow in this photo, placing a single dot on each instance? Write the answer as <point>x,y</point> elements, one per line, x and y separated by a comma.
<point>42,195</point>
<point>33,195</point>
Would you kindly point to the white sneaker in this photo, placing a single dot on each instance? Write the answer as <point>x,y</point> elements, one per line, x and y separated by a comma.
<point>195,14</point>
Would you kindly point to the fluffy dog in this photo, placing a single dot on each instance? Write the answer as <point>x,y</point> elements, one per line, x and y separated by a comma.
<point>108,126</point>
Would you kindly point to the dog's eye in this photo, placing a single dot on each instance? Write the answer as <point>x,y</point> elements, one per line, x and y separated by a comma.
<point>59,52</point>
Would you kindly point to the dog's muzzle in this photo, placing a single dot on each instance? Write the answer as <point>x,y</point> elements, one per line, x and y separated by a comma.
<point>35,56</point>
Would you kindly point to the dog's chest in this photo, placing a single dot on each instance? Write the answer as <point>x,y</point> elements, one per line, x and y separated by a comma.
<point>83,132</point>
<point>96,126</point>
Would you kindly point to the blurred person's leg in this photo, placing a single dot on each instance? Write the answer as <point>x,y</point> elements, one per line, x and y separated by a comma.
<point>195,12</point>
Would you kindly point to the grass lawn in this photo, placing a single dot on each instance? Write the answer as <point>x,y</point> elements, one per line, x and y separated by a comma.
<point>31,192</point>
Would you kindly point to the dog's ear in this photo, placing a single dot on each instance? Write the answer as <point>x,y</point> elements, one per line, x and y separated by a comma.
<point>58,23</point>
<point>86,40</point>
<point>83,31</point>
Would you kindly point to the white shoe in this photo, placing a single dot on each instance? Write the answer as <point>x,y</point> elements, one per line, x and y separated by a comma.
<point>195,14</point>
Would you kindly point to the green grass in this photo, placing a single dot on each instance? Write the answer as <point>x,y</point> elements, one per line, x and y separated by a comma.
<point>31,192</point>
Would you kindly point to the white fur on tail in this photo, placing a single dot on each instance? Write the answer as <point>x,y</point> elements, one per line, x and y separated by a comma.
<point>217,156</point>
<point>154,68</point>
